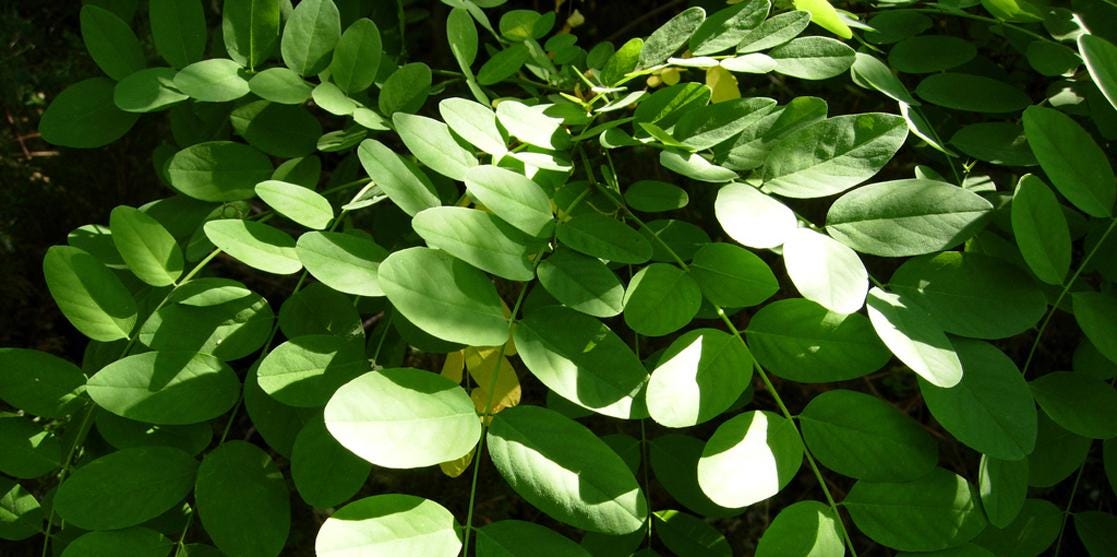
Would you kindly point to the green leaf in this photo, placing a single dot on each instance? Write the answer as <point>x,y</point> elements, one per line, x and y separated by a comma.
<point>690,536</point>
<point>700,375</point>
<point>111,42</point>
<point>475,123</point>
<point>1033,531</point>
<point>833,155</point>
<point>212,316</point>
<point>755,63</point>
<point>512,197</point>
<point>674,460</point>
<point>277,424</point>
<point>825,16</point>
<point>582,283</point>
<point>403,418</point>
<point>604,237</point>
<point>654,196</point>
<point>503,64</point>
<point>1057,455</point>
<point>775,31</point>
<point>696,167</point>
<point>20,514</point>
<point>561,468</point>
<point>914,337</point>
<point>280,85</point>
<point>666,106</point>
<point>664,41</point>
<point>101,495</point>
<point>344,262</point>
<point>147,90</point>
<point>39,383</point>
<point>972,295</point>
<point>148,249</point>
<point>802,341</point>
<point>1101,60</point>
<point>242,501</point>
<point>1041,230</point>
<point>277,129</point>
<point>218,171</point>
<point>85,116</point>
<point>730,276</point>
<point>310,35</point>
<point>906,217</point>
<point>750,149</point>
<point>813,57</point>
<point>402,182</point>
<point>802,528</point>
<point>1074,163</point>
<point>89,295</point>
<point>479,239</point>
<point>136,542</point>
<point>891,26</point>
<point>461,33</point>
<point>305,371</point>
<point>391,524</point>
<point>405,90</point>
<point>660,299</point>
<point>123,433</point>
<point>297,203</point>
<point>325,473</point>
<point>166,388</point>
<point>622,61</point>
<point>178,29</point>
<point>825,271</point>
<point>991,409</point>
<point>215,80</point>
<point>749,458</point>
<point>930,53</point>
<point>26,449</point>
<point>972,93</point>
<point>726,27</point>
<point>1096,529</point>
<point>708,126</point>
<point>1096,314</point>
<point>1080,404</point>
<point>535,125</point>
<point>430,141</point>
<point>942,503</point>
<point>332,99</point>
<point>752,218</point>
<point>996,142</point>
<point>318,309</point>
<point>870,72</point>
<point>251,30</point>
<point>864,437</point>
<point>1004,486</point>
<point>582,360</point>
<point>444,296</point>
<point>519,538</point>
<point>255,244</point>
<point>356,59</point>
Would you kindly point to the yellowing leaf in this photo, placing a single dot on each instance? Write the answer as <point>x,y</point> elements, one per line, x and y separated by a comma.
<point>455,468</point>
<point>825,16</point>
<point>454,365</point>
<point>723,84</point>
<point>482,363</point>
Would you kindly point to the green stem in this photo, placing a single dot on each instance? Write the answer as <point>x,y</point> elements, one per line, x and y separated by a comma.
<point>760,371</point>
<point>1062,294</point>
<point>485,417</point>
<point>1066,510</point>
<point>975,17</point>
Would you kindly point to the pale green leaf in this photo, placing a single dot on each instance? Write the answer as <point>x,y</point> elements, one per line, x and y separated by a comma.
<point>444,296</point>
<point>475,123</point>
<point>218,171</point>
<point>914,337</point>
<point>166,388</point>
<point>92,298</point>
<point>305,371</point>
<point>812,57</point>
<point>148,249</point>
<point>664,41</point>
<point>310,35</point>
<point>401,181</point>
<point>147,90</point>
<point>297,203</point>
<point>825,271</point>
<point>215,80</point>
<point>512,197</point>
<point>344,262</point>
<point>250,29</point>
<point>753,218</point>
<point>357,57</point>
<point>255,244</point>
<point>749,458</point>
<point>560,467</point>
<point>479,239</point>
<point>430,141</point>
<point>390,524</point>
<point>700,375</point>
<point>802,528</point>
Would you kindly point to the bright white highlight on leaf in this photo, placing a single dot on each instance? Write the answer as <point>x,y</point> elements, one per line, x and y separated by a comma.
<point>825,271</point>
<point>914,337</point>
<point>752,218</point>
<point>749,459</point>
